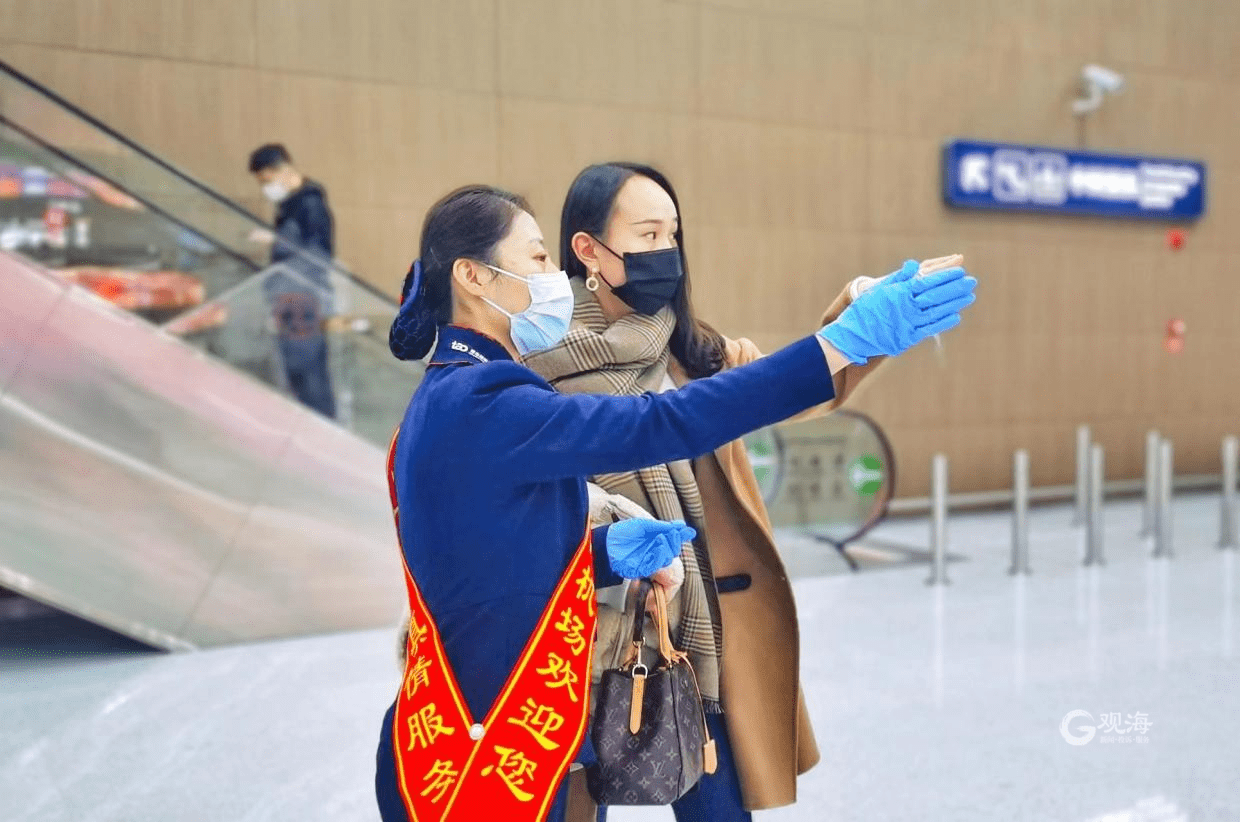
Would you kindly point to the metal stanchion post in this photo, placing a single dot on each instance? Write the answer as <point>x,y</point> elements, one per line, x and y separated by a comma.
<point>1148,517</point>
<point>1082,474</point>
<point>1166,474</point>
<point>1227,537</point>
<point>1094,513</point>
<point>1020,513</point>
<point>938,522</point>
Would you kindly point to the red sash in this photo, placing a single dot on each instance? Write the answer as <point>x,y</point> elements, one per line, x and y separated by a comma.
<point>511,764</point>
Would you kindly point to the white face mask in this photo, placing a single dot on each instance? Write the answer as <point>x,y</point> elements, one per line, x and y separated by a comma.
<point>545,322</point>
<point>274,191</point>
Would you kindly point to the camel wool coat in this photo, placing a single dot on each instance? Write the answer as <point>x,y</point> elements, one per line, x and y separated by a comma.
<point>764,707</point>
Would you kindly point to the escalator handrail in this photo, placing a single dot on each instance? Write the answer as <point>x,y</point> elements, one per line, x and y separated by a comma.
<point>193,182</point>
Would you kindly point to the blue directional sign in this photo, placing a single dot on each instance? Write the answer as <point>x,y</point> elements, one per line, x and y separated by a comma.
<point>1033,178</point>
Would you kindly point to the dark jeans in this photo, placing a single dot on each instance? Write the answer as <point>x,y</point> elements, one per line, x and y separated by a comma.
<point>717,798</point>
<point>305,365</point>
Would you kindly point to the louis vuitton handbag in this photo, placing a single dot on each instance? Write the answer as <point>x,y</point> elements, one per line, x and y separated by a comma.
<point>649,730</point>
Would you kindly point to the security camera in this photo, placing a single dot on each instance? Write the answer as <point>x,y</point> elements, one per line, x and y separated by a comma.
<point>1104,78</point>
<point>1095,82</point>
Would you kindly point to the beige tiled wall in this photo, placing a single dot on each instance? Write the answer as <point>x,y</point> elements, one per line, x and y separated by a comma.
<point>804,137</point>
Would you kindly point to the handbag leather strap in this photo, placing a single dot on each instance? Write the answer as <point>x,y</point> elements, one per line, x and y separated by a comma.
<point>666,649</point>
<point>634,655</point>
<point>639,610</point>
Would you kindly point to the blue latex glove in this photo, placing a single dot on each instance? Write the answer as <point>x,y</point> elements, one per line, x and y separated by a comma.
<point>900,311</point>
<point>637,548</point>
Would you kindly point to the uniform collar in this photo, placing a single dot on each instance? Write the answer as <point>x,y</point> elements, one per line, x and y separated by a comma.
<point>458,345</point>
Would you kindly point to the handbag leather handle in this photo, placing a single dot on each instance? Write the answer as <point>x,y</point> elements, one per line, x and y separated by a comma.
<point>639,610</point>
<point>634,656</point>
<point>666,649</point>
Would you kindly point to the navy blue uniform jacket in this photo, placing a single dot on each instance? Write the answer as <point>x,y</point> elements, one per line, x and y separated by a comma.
<point>490,465</point>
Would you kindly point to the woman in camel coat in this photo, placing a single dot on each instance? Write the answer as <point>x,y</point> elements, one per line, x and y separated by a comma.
<point>758,669</point>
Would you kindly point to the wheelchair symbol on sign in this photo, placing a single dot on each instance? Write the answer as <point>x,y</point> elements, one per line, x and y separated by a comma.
<point>1011,176</point>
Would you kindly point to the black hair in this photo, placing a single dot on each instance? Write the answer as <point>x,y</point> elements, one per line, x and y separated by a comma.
<point>588,207</point>
<point>267,156</point>
<point>467,223</point>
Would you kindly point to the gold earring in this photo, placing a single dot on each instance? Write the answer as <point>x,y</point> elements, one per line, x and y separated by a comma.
<point>592,282</point>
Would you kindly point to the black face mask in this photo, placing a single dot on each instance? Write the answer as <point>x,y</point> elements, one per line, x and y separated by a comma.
<point>652,279</point>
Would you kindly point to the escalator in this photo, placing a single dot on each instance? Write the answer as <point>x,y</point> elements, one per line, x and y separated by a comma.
<point>157,476</point>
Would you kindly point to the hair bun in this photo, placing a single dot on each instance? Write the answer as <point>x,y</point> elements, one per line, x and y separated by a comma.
<point>413,280</point>
<point>413,330</point>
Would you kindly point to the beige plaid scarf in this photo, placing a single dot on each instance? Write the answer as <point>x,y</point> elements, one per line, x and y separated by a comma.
<point>630,358</point>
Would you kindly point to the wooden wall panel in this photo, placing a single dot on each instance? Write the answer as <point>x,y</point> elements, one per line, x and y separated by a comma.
<point>447,44</point>
<point>754,174</point>
<point>1203,43</point>
<point>220,31</point>
<point>422,141</point>
<point>543,145</point>
<point>940,23</point>
<point>1047,28</point>
<point>215,148</point>
<point>386,238</point>
<point>39,22</point>
<point>1135,39</point>
<point>821,71</point>
<point>1223,203</point>
<point>842,13</point>
<point>297,107</point>
<point>804,137</point>
<point>922,87</point>
<point>732,268</point>
<point>901,177</point>
<point>379,145</point>
<point>1163,118</point>
<point>630,53</point>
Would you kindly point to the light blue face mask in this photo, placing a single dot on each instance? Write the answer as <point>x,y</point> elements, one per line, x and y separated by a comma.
<point>545,322</point>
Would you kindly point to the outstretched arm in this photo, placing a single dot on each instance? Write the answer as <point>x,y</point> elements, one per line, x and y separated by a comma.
<point>742,351</point>
<point>535,434</point>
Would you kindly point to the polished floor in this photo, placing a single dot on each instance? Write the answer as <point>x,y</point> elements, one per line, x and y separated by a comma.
<point>930,703</point>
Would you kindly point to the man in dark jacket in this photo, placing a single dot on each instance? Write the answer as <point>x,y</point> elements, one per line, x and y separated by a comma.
<point>300,294</point>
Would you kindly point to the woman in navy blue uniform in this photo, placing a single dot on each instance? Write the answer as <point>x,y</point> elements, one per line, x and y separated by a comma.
<point>490,460</point>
